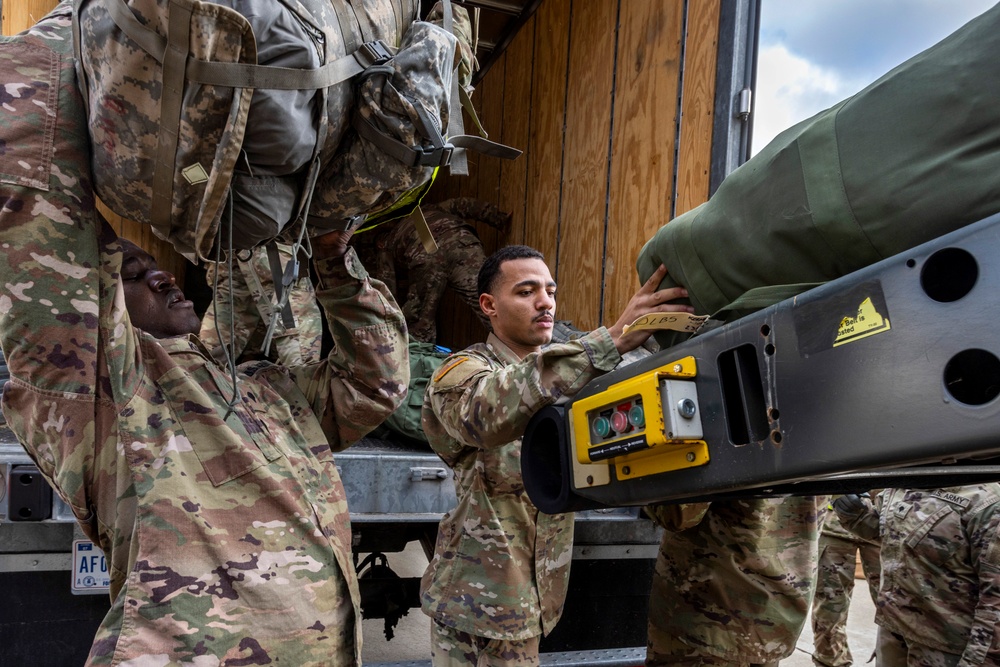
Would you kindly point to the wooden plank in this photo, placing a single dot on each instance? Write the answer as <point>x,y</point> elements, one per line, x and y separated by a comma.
<point>19,15</point>
<point>585,162</point>
<point>698,105</point>
<point>491,115</point>
<point>548,112</point>
<point>516,127</point>
<point>643,138</point>
<point>454,316</point>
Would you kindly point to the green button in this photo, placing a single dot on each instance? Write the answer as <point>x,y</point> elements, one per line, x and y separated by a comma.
<point>602,427</point>
<point>637,416</point>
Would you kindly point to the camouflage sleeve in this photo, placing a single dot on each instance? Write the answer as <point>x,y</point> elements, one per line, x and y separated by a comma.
<point>53,298</point>
<point>677,517</point>
<point>983,530</point>
<point>229,286</point>
<point>483,407</point>
<point>365,376</point>
<point>862,519</point>
<point>476,209</point>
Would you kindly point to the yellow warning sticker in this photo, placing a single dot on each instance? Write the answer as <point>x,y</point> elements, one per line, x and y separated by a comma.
<point>867,322</point>
<point>685,322</point>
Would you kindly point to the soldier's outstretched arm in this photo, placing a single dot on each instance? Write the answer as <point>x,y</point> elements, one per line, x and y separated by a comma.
<point>56,288</point>
<point>477,209</point>
<point>365,376</point>
<point>486,407</point>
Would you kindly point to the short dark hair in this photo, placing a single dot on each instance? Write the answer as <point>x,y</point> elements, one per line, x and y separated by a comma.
<point>491,267</point>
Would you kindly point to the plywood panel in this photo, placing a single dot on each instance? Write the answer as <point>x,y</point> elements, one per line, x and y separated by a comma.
<point>643,138</point>
<point>488,176</point>
<point>585,164</point>
<point>19,15</point>
<point>548,99</point>
<point>461,323</point>
<point>695,149</point>
<point>516,127</point>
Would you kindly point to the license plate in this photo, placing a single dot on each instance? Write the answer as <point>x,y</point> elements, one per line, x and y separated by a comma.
<point>90,569</point>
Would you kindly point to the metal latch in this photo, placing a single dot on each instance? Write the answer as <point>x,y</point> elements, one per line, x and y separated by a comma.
<point>421,474</point>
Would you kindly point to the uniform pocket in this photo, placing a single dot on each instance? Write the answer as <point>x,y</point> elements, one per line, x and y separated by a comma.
<point>32,102</point>
<point>228,446</point>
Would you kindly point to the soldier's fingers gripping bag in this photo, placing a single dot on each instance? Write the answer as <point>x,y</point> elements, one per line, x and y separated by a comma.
<point>186,98</point>
<point>911,157</point>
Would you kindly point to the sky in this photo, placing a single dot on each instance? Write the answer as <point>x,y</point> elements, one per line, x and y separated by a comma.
<point>814,53</point>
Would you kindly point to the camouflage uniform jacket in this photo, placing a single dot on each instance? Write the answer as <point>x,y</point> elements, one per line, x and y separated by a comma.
<point>941,569</point>
<point>501,568</point>
<point>226,533</point>
<point>832,527</point>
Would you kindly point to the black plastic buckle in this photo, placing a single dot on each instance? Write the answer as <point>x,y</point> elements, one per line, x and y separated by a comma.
<point>434,157</point>
<point>373,53</point>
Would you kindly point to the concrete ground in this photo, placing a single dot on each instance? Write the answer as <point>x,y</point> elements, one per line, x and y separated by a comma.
<point>411,641</point>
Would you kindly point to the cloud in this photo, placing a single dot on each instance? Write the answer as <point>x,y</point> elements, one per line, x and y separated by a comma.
<point>814,54</point>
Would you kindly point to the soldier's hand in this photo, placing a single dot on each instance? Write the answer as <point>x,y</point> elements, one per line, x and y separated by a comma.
<point>331,244</point>
<point>647,300</point>
<point>850,506</point>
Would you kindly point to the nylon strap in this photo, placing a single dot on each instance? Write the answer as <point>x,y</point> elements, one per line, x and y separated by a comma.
<point>174,61</point>
<point>348,27</point>
<point>277,276</point>
<point>364,23</point>
<point>424,231</point>
<point>249,75</point>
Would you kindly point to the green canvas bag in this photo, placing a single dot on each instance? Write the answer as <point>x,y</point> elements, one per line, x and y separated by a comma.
<point>911,157</point>
<point>424,360</point>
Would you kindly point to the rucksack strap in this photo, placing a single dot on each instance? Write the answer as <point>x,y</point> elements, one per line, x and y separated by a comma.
<point>278,278</point>
<point>242,75</point>
<point>441,152</point>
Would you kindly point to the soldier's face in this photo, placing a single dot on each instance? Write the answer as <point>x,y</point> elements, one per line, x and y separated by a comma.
<point>522,307</point>
<point>155,304</point>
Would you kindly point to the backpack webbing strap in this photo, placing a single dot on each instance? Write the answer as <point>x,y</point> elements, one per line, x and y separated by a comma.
<point>175,58</point>
<point>241,75</point>
<point>441,152</point>
<point>424,231</point>
<point>278,277</point>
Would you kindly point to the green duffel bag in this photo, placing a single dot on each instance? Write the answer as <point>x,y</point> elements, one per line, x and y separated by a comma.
<point>911,157</point>
<point>424,360</point>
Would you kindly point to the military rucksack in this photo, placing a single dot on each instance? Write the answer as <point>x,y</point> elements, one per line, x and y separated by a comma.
<point>277,114</point>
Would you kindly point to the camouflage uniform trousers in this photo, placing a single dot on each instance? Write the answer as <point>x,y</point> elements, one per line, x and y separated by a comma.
<point>732,586</point>
<point>454,648</point>
<point>891,650</point>
<point>834,586</point>
<point>251,286</point>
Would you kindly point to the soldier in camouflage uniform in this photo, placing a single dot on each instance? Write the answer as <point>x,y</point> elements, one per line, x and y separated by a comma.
<point>838,553</point>
<point>399,252</point>
<point>224,522</point>
<point>939,597</point>
<point>498,577</point>
<point>251,288</point>
<point>733,581</point>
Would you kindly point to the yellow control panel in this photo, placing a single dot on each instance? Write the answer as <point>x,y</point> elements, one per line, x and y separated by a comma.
<point>648,424</point>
